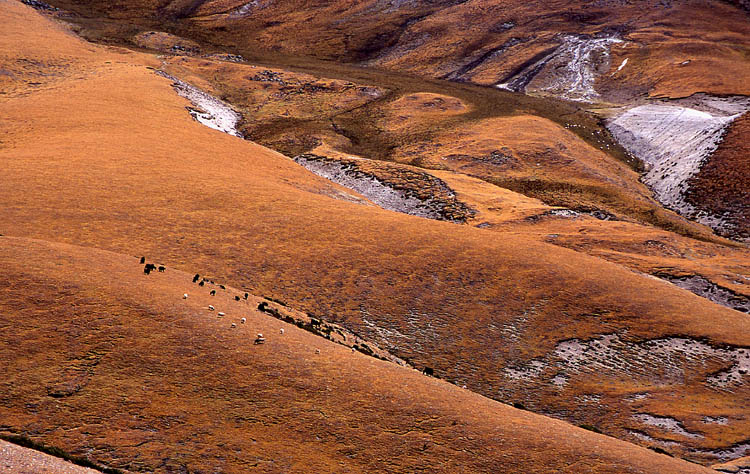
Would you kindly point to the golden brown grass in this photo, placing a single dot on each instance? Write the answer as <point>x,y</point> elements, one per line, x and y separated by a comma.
<point>105,156</point>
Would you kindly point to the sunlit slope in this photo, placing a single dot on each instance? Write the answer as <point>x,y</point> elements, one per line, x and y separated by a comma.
<point>112,160</point>
<point>104,360</point>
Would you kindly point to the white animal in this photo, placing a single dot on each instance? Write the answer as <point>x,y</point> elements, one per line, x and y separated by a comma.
<point>243,320</point>
<point>281,331</point>
<point>210,308</point>
<point>220,314</point>
<point>184,297</point>
<point>234,325</point>
<point>317,351</point>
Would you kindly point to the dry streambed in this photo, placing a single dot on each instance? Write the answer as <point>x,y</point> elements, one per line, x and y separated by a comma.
<point>568,71</point>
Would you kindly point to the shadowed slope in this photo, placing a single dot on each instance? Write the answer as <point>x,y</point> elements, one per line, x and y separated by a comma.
<point>673,48</point>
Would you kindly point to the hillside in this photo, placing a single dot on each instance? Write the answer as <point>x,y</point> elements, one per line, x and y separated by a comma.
<point>544,296</point>
<point>627,54</point>
<point>141,379</point>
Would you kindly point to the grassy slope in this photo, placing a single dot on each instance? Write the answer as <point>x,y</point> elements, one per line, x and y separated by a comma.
<point>106,156</point>
<point>148,381</point>
<point>721,185</point>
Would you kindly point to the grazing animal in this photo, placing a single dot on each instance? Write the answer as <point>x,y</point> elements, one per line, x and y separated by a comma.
<point>246,295</point>
<point>428,371</point>
<point>149,268</point>
<point>222,287</point>
<point>234,325</point>
<point>281,331</point>
<point>211,308</point>
<point>213,292</point>
<point>143,260</point>
<point>196,277</point>
<point>162,268</point>
<point>221,315</point>
<point>201,283</point>
<point>260,339</point>
<point>262,306</point>
<point>317,351</point>
<point>236,298</point>
<point>184,296</point>
<point>243,320</point>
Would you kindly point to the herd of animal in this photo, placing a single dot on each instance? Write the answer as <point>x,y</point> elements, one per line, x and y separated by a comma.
<point>259,339</point>
<point>262,306</point>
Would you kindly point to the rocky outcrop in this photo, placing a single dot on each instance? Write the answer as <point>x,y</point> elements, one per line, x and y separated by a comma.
<point>394,188</point>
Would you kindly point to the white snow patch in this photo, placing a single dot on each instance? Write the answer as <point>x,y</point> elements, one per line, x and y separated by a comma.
<point>370,187</point>
<point>208,110</point>
<point>715,420</point>
<point>636,397</point>
<point>650,439</point>
<point>533,370</point>
<point>666,423</point>
<point>730,453</point>
<point>673,142</point>
<point>589,398</point>
<point>247,8</point>
<point>664,360</point>
<point>568,72</point>
<point>622,65</point>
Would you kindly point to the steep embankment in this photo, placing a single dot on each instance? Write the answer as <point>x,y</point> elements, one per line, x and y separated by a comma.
<point>720,187</point>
